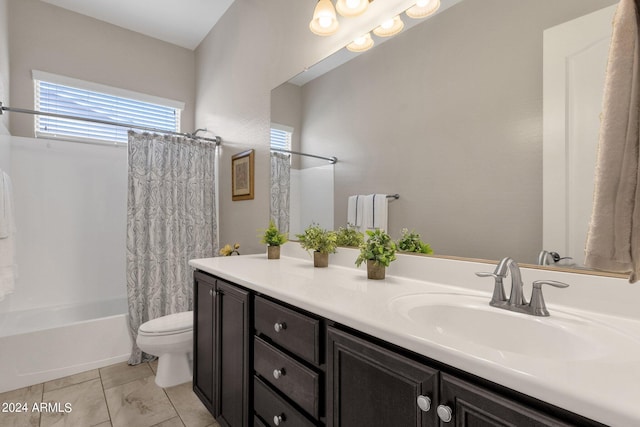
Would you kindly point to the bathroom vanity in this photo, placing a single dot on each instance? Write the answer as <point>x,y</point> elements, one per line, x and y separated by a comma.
<point>279,342</point>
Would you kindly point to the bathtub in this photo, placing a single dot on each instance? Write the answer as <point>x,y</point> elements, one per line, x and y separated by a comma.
<point>48,343</point>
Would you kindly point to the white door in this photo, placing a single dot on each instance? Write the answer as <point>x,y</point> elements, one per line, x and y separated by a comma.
<point>575,59</point>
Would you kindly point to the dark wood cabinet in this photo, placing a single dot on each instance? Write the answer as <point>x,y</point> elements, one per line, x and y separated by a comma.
<point>371,386</point>
<point>290,329</point>
<point>222,349</point>
<point>288,365</point>
<point>264,363</point>
<point>473,406</point>
<point>295,380</point>
<point>204,340</point>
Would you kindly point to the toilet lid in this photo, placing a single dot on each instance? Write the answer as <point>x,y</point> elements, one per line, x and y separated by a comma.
<point>171,323</point>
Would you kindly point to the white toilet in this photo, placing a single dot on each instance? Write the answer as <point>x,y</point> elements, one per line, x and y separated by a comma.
<point>171,339</point>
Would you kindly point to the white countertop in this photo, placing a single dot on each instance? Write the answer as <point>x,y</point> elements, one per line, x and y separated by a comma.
<point>605,387</point>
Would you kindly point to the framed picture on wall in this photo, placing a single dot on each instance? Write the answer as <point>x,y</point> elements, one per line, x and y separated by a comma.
<point>242,176</point>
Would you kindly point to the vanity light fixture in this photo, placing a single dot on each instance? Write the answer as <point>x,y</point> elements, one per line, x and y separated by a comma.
<point>350,8</point>
<point>360,44</point>
<point>324,22</point>
<point>390,27</point>
<point>423,8</point>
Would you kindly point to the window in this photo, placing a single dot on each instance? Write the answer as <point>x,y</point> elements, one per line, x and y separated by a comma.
<point>281,136</point>
<point>62,95</point>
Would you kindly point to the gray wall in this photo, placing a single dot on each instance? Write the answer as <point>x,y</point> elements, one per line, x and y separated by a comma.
<point>448,115</point>
<point>4,67</point>
<point>5,148</point>
<point>256,46</point>
<point>55,40</point>
<point>286,109</point>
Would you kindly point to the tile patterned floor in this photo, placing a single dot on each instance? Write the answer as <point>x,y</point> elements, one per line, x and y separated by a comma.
<point>115,396</point>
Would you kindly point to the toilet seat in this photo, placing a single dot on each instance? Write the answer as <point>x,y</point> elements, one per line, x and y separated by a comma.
<point>168,325</point>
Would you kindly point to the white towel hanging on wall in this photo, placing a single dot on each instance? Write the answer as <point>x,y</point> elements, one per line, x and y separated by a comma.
<point>375,212</point>
<point>354,211</point>
<point>8,268</point>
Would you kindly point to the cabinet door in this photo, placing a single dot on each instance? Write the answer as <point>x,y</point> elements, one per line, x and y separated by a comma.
<point>473,406</point>
<point>232,346</point>
<point>369,385</point>
<point>203,342</point>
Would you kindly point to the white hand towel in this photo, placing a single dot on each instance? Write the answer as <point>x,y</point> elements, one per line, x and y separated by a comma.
<point>352,211</point>
<point>367,212</point>
<point>375,211</point>
<point>380,211</point>
<point>8,267</point>
<point>6,216</point>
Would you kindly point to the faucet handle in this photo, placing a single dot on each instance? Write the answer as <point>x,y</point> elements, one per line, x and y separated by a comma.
<point>498,290</point>
<point>487,274</point>
<point>537,304</point>
<point>538,284</point>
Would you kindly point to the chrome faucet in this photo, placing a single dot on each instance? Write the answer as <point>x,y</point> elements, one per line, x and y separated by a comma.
<point>550,258</point>
<point>517,301</point>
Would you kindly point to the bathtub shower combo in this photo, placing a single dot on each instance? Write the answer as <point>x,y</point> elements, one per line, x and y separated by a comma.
<point>67,313</point>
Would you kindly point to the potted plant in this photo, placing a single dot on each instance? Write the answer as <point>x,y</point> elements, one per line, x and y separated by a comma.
<point>273,239</point>
<point>322,242</point>
<point>379,250</point>
<point>349,236</point>
<point>411,242</point>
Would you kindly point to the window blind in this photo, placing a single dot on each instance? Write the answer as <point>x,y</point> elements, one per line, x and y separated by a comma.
<point>61,99</point>
<point>280,138</point>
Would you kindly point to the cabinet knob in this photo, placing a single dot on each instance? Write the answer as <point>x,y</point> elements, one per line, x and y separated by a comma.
<point>278,419</point>
<point>211,292</point>
<point>279,326</point>
<point>444,413</point>
<point>424,403</point>
<point>277,373</point>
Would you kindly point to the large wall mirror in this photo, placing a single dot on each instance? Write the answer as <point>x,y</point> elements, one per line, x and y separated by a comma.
<point>483,118</point>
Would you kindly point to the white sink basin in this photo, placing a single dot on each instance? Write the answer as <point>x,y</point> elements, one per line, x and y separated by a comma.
<point>460,320</point>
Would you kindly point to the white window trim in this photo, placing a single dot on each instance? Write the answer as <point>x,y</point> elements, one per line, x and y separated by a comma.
<point>97,87</point>
<point>284,128</point>
<point>44,76</point>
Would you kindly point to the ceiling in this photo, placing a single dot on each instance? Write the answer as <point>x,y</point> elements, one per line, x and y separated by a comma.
<point>181,22</point>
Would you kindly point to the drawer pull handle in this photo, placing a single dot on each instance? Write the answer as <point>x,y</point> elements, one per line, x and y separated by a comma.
<point>445,413</point>
<point>277,373</point>
<point>279,419</point>
<point>424,403</point>
<point>279,326</point>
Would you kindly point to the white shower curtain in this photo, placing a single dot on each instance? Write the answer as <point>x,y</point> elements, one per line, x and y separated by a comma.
<point>171,218</point>
<point>280,190</point>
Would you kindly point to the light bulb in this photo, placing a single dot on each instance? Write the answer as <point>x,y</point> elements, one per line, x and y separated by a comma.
<point>324,22</point>
<point>360,40</point>
<point>423,8</point>
<point>350,8</point>
<point>387,24</point>
<point>389,27</point>
<point>360,44</point>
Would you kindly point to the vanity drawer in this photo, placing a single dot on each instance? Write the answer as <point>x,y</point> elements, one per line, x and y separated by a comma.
<point>257,422</point>
<point>288,328</point>
<point>268,405</point>
<point>299,383</point>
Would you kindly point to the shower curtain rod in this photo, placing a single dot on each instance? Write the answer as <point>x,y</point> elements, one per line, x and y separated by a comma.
<point>333,159</point>
<point>217,140</point>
